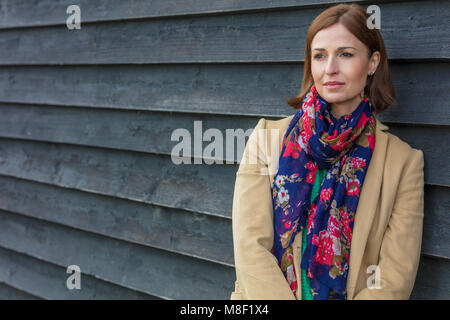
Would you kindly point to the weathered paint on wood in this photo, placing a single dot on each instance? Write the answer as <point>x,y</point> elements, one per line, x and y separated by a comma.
<point>17,13</point>
<point>189,233</point>
<point>276,36</point>
<point>8,292</point>
<point>233,89</point>
<point>151,132</point>
<point>433,279</point>
<point>41,279</point>
<point>85,136</point>
<point>436,222</point>
<point>166,274</point>
<point>184,232</point>
<point>134,176</point>
<point>15,271</point>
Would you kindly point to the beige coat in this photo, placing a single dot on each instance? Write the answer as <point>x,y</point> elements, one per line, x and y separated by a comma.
<point>387,230</point>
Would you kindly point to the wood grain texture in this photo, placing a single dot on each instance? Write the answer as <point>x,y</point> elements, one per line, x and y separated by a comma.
<point>16,14</point>
<point>244,37</point>
<point>182,232</point>
<point>113,261</point>
<point>152,132</point>
<point>431,281</point>
<point>86,118</point>
<point>436,222</point>
<point>206,235</point>
<point>8,292</point>
<point>235,89</point>
<point>141,177</point>
<point>36,277</point>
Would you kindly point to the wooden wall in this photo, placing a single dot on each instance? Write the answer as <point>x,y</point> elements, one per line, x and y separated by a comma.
<point>86,175</point>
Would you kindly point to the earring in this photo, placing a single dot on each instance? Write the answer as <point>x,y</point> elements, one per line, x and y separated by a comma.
<point>371,74</point>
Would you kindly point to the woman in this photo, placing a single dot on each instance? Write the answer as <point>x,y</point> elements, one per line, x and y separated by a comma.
<point>332,206</point>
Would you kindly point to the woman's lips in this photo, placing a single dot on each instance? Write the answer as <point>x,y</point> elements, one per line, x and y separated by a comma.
<point>333,85</point>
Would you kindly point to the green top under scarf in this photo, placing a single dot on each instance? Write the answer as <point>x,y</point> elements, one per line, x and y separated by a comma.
<point>306,287</point>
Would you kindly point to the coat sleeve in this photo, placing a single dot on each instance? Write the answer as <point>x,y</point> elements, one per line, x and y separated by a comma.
<point>258,275</point>
<point>401,245</point>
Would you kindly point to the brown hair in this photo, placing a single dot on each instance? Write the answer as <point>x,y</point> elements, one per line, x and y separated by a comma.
<point>379,88</point>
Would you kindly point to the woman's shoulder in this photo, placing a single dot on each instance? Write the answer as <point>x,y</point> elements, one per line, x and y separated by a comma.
<point>268,125</point>
<point>282,123</point>
<point>399,150</point>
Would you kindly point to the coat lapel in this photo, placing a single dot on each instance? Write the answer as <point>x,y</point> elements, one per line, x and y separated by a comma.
<point>368,200</point>
<point>367,205</point>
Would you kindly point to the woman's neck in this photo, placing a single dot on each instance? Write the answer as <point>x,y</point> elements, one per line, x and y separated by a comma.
<point>346,107</point>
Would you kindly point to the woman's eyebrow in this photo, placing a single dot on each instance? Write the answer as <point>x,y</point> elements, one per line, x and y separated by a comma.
<point>340,48</point>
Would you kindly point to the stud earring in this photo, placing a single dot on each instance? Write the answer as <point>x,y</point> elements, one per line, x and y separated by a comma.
<point>371,74</point>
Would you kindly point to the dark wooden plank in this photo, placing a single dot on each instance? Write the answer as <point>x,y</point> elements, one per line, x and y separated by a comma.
<point>22,13</point>
<point>421,96</point>
<point>238,89</point>
<point>48,280</point>
<point>151,132</point>
<point>142,177</point>
<point>423,33</point>
<point>152,178</point>
<point>436,221</point>
<point>428,139</point>
<point>433,280</point>
<point>226,89</point>
<point>126,130</point>
<point>189,233</point>
<point>147,270</point>
<point>77,174</point>
<point>10,293</point>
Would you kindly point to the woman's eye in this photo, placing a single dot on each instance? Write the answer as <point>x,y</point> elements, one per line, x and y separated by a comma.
<point>345,54</point>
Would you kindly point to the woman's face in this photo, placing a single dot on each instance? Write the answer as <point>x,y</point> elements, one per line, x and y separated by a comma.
<point>337,55</point>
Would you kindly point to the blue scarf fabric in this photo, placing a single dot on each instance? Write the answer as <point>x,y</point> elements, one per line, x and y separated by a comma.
<point>316,139</point>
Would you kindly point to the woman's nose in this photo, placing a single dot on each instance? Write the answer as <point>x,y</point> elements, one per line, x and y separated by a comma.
<point>332,66</point>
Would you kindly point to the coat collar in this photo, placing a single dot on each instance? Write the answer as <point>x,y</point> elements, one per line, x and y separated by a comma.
<point>368,199</point>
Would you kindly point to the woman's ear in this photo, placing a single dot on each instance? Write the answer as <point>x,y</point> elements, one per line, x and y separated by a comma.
<point>374,61</point>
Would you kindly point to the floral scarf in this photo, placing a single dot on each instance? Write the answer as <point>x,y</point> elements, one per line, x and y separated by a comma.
<point>344,146</point>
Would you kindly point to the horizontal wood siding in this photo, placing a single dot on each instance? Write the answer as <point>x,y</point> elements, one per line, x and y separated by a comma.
<point>86,173</point>
<point>271,36</point>
<point>211,88</point>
